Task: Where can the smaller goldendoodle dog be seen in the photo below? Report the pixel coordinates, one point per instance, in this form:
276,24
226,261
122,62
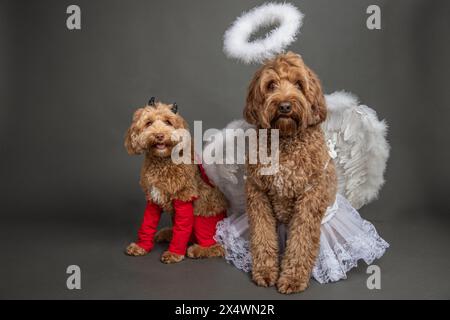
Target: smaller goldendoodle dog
285,94
178,188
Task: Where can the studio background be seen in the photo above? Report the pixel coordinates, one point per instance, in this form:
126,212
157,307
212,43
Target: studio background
70,193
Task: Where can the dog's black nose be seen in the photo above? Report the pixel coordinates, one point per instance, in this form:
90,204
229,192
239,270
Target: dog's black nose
285,107
159,136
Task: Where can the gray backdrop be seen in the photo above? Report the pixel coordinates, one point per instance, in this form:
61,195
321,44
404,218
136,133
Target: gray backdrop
70,193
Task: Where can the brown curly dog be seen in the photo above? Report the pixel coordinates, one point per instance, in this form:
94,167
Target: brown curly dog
181,189
286,95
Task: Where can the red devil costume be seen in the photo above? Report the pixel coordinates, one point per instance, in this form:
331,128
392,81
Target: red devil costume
187,227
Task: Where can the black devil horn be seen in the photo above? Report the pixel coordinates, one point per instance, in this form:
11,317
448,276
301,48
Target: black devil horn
151,102
174,107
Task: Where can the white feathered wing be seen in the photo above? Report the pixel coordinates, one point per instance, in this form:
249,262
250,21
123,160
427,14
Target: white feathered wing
229,178
360,142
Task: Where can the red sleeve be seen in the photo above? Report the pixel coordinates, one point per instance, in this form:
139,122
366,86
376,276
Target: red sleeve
205,229
149,226
183,222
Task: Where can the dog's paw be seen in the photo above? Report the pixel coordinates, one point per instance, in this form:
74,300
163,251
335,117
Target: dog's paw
265,276
196,251
170,257
289,284
134,250
164,235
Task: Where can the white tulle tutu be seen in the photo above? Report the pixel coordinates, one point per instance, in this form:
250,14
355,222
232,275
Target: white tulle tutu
345,239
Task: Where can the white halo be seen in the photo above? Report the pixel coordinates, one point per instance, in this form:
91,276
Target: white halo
236,38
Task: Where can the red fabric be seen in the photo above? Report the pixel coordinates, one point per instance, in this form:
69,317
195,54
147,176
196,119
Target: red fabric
205,229
149,226
183,222
186,227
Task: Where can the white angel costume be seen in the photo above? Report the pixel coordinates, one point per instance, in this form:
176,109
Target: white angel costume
356,139
357,144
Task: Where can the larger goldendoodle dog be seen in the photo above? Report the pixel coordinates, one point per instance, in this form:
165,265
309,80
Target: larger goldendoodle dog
285,94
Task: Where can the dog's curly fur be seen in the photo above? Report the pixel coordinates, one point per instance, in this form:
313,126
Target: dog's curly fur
154,132
305,185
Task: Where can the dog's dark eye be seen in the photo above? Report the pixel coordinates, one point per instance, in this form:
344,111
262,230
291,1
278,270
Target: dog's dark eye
168,123
299,85
148,123
271,86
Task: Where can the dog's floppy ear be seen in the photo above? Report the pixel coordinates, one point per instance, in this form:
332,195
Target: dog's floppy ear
174,108
318,112
253,100
151,102
131,143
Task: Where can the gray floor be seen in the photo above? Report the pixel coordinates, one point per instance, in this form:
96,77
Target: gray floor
36,255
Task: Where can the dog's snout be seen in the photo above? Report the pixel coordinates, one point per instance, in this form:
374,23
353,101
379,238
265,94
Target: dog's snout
285,107
159,136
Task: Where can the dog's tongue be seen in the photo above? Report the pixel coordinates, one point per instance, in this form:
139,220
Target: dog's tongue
160,146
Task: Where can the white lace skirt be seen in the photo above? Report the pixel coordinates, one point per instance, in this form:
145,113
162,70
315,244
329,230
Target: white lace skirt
345,239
